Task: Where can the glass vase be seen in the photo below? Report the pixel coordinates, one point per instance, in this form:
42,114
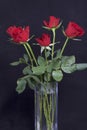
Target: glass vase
46,107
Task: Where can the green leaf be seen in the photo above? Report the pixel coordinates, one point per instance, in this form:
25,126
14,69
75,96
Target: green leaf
47,77
57,75
50,67
68,65
81,66
68,68
21,85
41,60
68,60
27,70
57,65
22,60
30,83
38,70
54,64
36,79
47,54
15,63
26,57
58,53
33,81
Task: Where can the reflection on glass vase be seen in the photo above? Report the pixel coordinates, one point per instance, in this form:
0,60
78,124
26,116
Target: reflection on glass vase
46,107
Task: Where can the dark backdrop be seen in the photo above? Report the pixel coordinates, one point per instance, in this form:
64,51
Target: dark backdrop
17,111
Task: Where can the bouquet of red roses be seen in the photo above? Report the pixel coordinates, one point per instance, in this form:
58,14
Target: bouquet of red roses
51,64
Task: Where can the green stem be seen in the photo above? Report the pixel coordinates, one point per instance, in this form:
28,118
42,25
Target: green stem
62,50
28,53
46,64
40,111
32,53
46,56
47,101
53,30
46,111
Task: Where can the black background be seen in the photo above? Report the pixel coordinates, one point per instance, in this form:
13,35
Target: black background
17,111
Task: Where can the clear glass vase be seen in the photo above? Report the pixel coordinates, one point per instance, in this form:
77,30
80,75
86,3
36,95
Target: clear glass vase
46,107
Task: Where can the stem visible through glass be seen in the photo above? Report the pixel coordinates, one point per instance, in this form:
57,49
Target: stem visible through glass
46,98
47,108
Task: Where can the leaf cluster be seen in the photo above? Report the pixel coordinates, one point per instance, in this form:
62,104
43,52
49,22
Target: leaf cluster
47,70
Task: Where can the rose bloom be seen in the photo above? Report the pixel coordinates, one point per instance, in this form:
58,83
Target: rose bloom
52,23
19,34
44,40
74,30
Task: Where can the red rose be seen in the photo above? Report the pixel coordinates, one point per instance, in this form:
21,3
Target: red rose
44,40
74,30
19,34
52,23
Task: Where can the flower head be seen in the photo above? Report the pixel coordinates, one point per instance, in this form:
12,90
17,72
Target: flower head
44,40
52,23
74,30
19,34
